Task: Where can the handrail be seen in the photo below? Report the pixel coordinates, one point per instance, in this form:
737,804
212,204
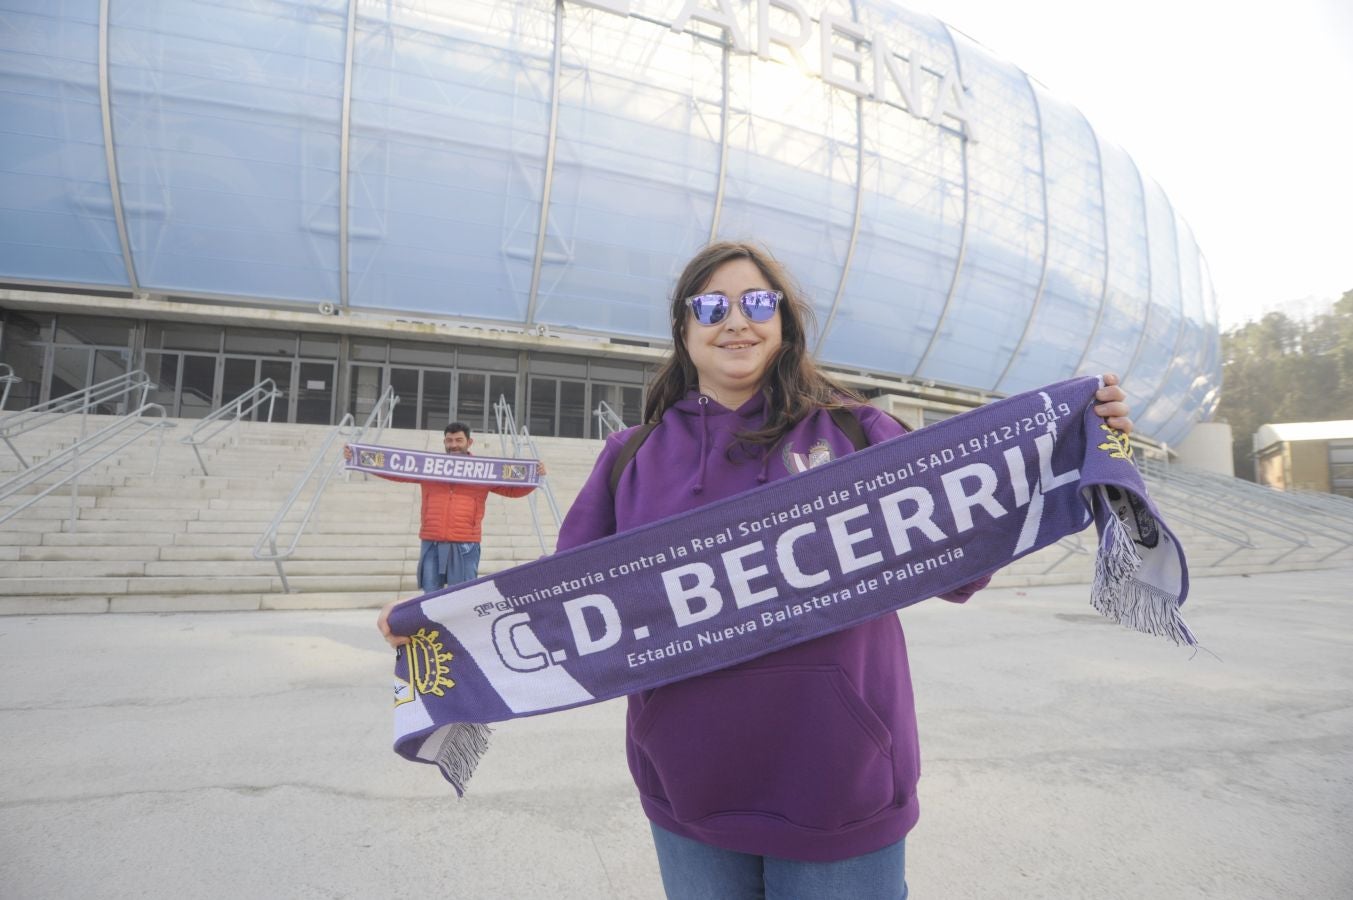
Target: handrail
608,422
522,441
549,494
1275,507
9,379
506,422
1319,501
234,411
379,417
35,417
1230,493
77,455
382,415
1198,515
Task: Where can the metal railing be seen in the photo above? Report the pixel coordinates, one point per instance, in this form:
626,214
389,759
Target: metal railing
230,415
1334,505
320,470
506,423
83,455
8,379
377,420
517,442
81,402
608,422
1289,517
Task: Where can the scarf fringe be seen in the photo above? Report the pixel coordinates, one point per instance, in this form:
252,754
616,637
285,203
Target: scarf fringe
1119,595
463,746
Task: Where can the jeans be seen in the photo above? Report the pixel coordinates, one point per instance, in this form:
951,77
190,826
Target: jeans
692,870
446,562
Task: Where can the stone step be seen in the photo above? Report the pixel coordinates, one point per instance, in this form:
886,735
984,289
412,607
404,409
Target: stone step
264,503
84,568
138,503
293,567
59,499
86,552
106,518
114,525
254,528
22,522
199,569
105,538
197,602
380,516
247,539
34,587
185,584
218,553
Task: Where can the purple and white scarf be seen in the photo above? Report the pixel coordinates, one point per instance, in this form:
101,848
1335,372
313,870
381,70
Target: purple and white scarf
459,467
858,537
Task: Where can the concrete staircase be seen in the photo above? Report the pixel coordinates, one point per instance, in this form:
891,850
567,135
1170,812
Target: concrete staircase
182,540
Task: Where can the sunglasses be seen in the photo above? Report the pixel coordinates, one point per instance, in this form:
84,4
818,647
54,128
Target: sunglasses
757,306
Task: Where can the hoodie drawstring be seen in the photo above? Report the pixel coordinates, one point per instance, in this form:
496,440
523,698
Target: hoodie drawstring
704,444
764,475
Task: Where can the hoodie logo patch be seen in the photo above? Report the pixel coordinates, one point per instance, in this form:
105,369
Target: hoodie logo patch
798,463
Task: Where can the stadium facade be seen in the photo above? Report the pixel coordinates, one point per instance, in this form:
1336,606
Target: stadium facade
471,199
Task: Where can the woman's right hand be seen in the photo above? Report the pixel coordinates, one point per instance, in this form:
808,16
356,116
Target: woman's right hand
383,625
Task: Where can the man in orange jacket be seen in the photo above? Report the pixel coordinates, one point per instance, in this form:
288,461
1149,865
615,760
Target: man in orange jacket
453,515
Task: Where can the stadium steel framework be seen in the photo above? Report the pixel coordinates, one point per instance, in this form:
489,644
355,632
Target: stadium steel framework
546,166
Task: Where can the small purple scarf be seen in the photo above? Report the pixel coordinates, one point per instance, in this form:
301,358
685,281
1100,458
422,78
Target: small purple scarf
858,537
458,467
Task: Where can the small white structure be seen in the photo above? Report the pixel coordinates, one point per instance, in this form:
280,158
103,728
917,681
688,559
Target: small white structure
1312,456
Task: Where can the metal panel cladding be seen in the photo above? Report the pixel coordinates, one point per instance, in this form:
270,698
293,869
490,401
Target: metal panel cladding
555,162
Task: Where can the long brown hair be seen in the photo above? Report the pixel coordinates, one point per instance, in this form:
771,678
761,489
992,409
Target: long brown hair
794,385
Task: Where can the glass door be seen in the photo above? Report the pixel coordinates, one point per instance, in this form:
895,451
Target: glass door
625,400
406,388
572,409
476,392
434,404
315,393
281,372
542,405
197,388
239,374
365,384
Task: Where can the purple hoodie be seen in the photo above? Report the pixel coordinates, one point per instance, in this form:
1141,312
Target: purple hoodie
807,753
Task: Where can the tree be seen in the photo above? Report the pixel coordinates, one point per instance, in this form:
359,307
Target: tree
1281,370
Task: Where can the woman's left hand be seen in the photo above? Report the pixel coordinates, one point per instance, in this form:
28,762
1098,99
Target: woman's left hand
1113,404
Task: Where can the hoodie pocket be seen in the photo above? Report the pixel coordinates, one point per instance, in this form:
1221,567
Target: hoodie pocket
793,742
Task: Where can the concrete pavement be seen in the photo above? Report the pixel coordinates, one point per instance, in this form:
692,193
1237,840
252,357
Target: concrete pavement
246,755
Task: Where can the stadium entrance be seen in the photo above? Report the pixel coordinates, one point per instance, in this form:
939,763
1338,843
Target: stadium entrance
199,367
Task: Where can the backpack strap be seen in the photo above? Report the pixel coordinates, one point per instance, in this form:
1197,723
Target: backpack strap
627,452
850,426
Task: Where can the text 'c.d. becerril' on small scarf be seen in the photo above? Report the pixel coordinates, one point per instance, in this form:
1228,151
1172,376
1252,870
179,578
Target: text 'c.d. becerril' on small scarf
856,538
415,465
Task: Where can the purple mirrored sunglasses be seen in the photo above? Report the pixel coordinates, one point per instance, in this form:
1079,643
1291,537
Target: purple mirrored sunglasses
757,306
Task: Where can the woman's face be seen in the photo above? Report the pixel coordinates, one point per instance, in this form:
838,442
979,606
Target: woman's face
731,357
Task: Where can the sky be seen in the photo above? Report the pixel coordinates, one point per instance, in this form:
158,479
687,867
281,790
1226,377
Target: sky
1242,111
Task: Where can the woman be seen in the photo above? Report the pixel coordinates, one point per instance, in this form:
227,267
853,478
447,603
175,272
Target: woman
794,774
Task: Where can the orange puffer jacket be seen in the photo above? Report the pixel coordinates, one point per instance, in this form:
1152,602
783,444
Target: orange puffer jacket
455,512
